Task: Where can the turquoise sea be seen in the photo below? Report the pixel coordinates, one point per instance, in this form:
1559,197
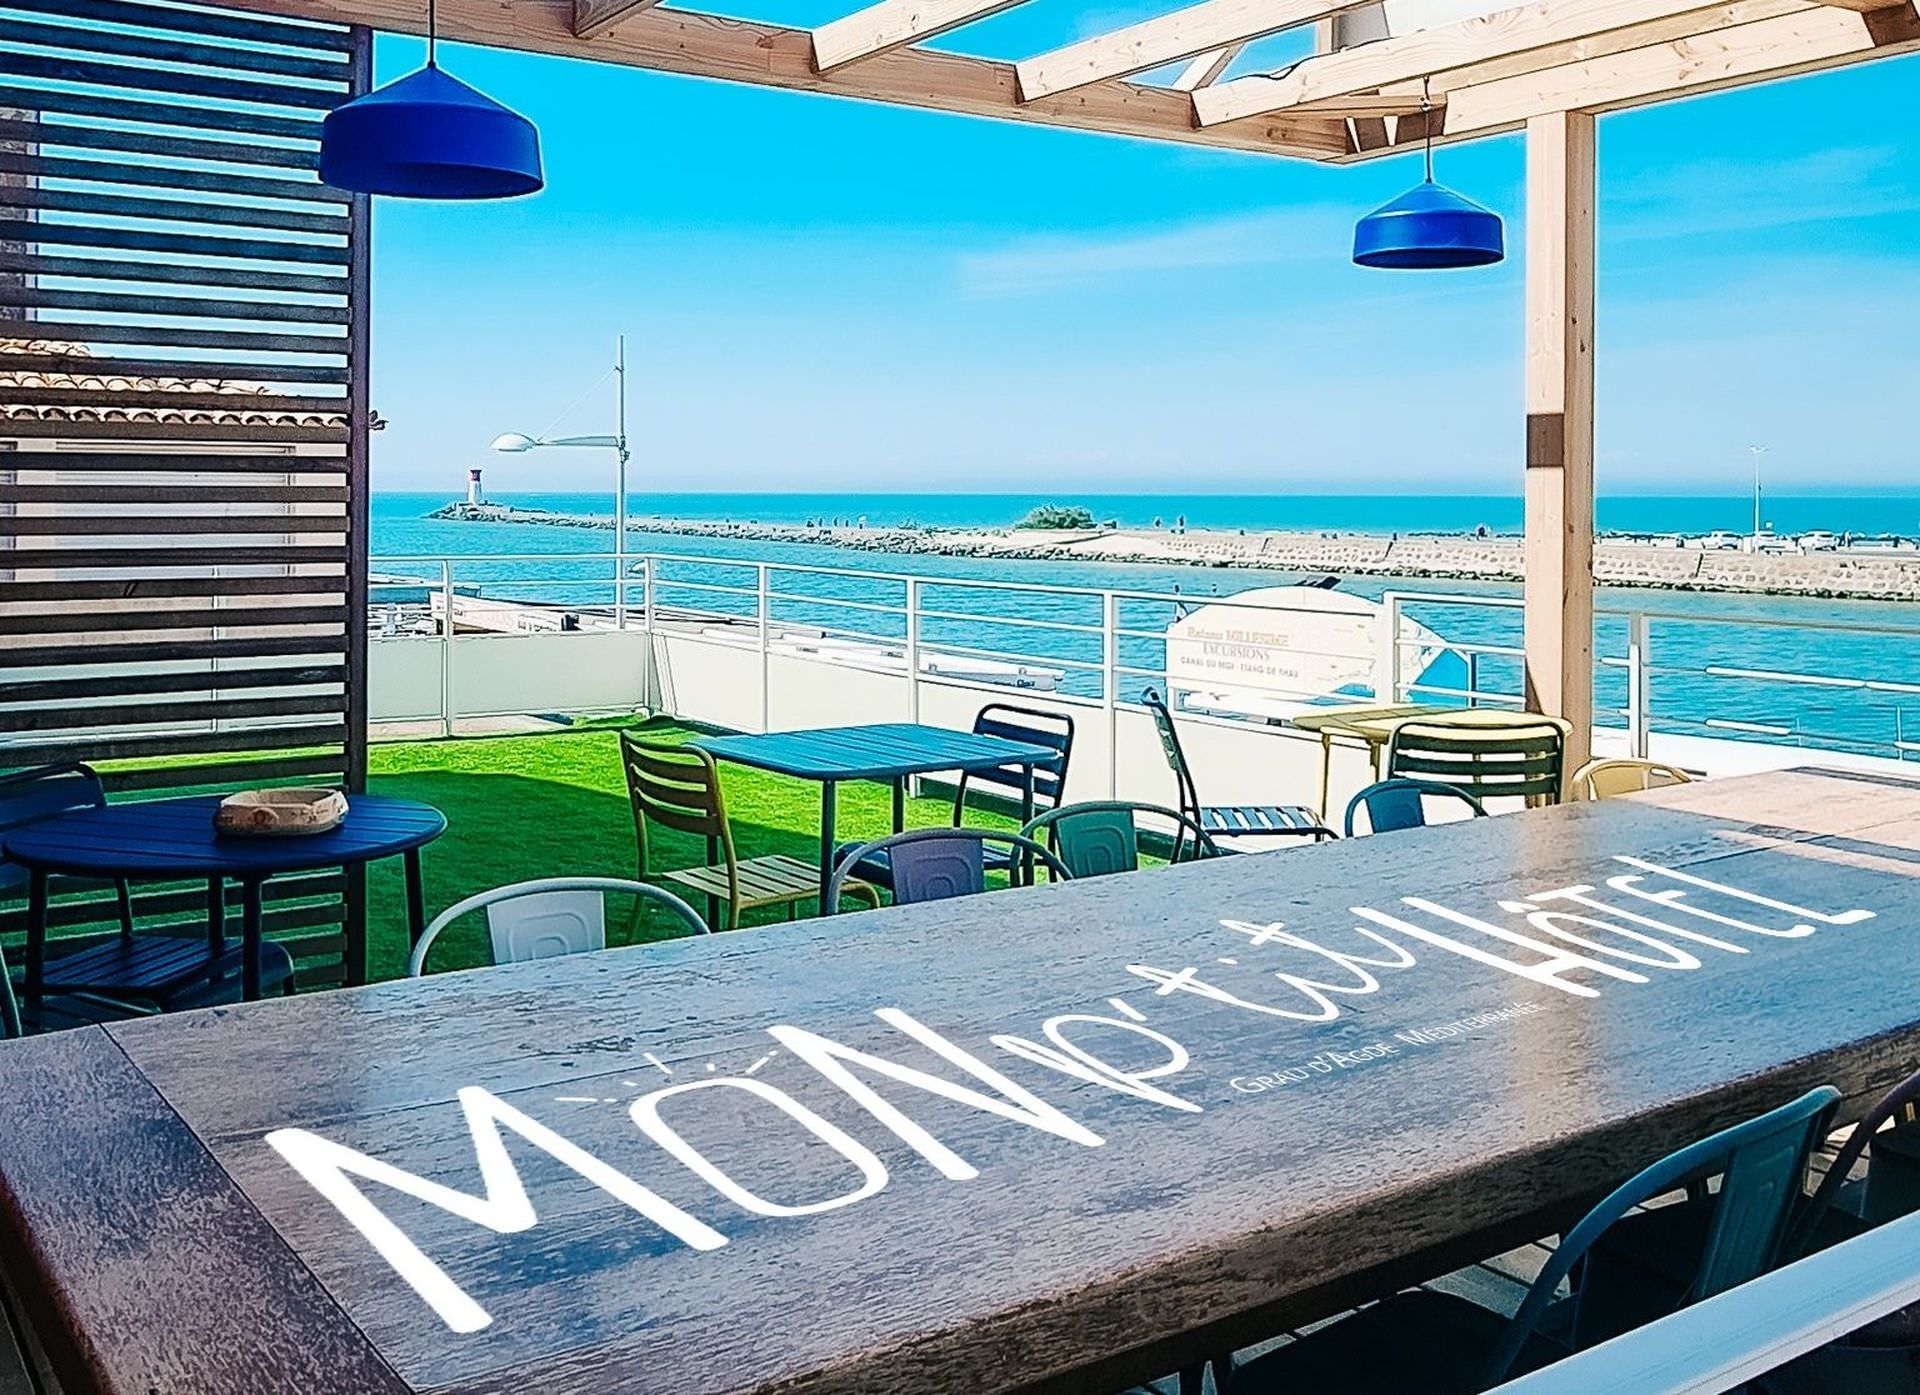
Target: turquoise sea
1706,649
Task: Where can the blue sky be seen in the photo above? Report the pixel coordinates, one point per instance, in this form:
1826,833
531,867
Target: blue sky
822,295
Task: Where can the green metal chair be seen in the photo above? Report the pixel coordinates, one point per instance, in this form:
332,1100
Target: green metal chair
1487,762
678,787
1441,1344
1102,837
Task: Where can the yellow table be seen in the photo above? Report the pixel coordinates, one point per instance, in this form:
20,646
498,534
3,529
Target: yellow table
1373,726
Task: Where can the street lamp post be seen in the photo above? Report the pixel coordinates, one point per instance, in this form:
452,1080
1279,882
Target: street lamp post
514,442
1759,454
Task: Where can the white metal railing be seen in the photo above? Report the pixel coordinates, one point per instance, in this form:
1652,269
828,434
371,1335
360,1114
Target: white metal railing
1660,673
756,605
1719,1344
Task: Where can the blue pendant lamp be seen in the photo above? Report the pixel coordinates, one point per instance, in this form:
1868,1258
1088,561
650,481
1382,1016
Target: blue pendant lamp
430,136
1429,227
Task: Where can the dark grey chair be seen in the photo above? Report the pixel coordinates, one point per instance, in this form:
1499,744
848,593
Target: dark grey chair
1032,726
1442,1344
933,864
1228,820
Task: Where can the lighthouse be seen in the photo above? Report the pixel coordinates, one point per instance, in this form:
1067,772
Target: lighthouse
473,486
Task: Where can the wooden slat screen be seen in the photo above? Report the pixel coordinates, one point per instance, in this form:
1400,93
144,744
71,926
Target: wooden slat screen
183,425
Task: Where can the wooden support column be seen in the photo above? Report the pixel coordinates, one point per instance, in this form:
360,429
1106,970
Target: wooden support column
1559,492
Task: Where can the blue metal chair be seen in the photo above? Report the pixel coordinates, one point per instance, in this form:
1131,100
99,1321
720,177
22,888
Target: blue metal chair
1440,1344
57,1012
112,978
1032,726
45,792
549,917
932,864
1392,805
1102,837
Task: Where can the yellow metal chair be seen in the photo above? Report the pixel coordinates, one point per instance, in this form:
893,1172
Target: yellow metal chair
1606,779
678,787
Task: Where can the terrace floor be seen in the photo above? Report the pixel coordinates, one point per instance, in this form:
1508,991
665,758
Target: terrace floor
555,805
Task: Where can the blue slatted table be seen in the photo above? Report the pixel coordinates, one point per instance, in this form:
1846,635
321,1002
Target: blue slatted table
890,751
175,838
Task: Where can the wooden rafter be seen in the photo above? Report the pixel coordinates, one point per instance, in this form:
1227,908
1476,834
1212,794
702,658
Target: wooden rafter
1760,50
892,24
733,50
1169,38
1206,69
592,18
1546,31
1766,50
1496,87
1405,96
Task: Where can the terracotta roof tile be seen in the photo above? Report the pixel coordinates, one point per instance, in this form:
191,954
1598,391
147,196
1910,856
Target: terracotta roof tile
92,375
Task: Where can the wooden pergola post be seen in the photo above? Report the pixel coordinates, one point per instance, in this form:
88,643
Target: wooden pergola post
1559,490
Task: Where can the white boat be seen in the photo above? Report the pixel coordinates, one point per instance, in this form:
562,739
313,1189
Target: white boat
1278,650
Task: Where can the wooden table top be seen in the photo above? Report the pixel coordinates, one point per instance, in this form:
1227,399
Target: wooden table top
976,1145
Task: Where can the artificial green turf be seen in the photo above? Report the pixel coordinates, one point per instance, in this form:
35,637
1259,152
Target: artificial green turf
555,805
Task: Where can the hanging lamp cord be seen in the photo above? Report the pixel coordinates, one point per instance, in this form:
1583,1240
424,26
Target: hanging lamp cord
1427,121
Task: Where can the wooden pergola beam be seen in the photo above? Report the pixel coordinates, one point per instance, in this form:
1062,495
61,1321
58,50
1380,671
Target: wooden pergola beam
1546,31
892,24
1724,47
768,55
1169,38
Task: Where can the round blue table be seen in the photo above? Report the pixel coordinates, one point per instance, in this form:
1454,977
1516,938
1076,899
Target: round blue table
175,838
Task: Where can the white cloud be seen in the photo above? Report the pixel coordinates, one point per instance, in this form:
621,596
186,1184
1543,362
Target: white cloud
1718,196
1037,266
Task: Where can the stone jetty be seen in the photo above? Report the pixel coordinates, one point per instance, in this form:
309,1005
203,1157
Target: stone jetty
1848,573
